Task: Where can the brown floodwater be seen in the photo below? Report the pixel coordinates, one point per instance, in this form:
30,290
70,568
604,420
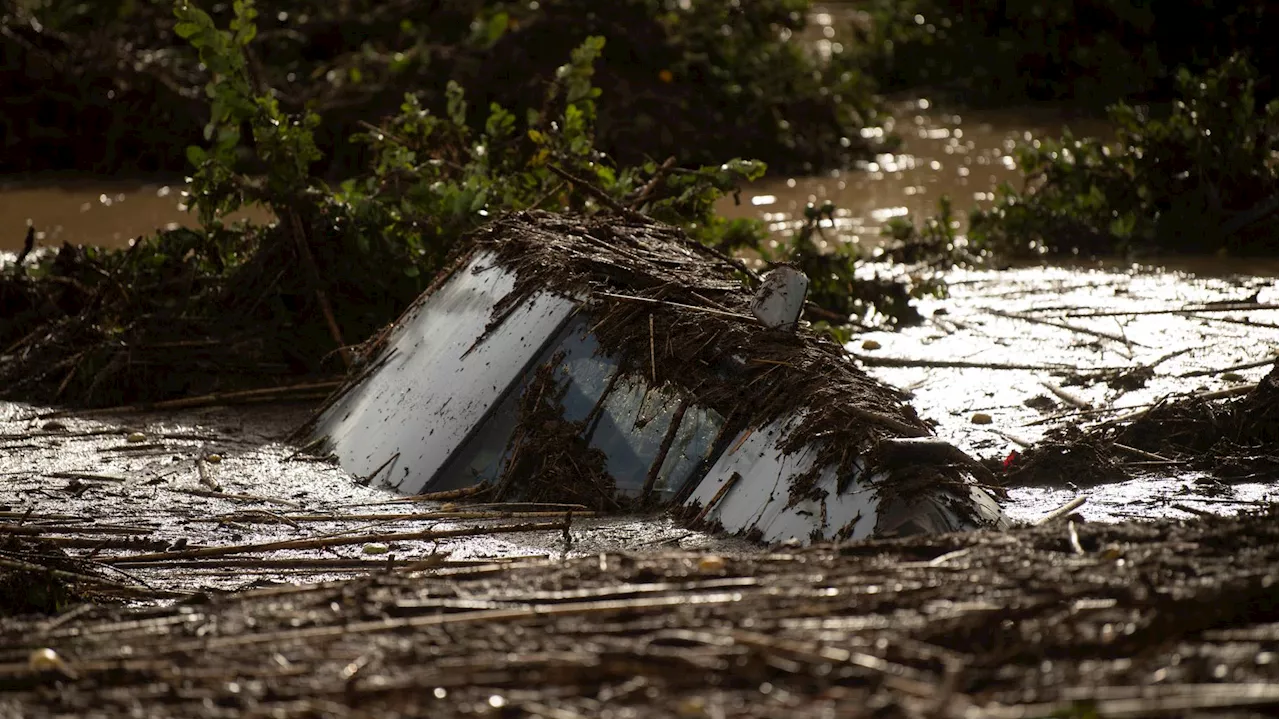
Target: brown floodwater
963,156
103,212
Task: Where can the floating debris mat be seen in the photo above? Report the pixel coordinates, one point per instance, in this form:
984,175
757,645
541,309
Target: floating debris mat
620,365
1142,620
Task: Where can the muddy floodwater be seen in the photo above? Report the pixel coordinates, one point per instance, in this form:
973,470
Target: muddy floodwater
1029,349
961,156
1023,348
1020,341
94,211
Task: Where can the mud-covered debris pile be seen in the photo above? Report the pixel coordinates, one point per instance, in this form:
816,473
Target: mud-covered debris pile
676,312
1151,619
1234,439
1066,454
177,315
653,351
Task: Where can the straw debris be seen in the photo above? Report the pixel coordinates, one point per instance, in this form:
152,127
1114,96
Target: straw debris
1034,622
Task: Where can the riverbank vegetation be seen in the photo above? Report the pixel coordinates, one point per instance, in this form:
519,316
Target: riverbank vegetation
109,86
1198,178
198,311
379,135
1189,87
1085,53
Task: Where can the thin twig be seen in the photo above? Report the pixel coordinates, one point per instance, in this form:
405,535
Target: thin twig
1140,452
1062,511
653,183
206,400
1203,396
1226,307
1073,538
653,357
1066,396
668,303
382,538
1064,325
879,361
1233,368
205,477
600,195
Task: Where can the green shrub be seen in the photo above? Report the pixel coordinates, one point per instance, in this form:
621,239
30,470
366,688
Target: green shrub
1201,178
702,80
224,307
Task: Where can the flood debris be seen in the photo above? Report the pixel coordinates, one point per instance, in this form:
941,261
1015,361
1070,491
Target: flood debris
617,363
1232,438
1152,619
1066,455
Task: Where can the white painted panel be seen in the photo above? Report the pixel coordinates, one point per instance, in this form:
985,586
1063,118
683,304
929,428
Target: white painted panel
425,400
856,507
759,499
752,456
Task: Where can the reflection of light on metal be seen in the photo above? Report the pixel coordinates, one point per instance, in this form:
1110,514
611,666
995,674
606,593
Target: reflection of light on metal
759,200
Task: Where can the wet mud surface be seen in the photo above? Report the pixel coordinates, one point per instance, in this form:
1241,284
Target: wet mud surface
167,505
1011,355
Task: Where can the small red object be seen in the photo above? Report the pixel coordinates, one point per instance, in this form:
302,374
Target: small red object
1008,461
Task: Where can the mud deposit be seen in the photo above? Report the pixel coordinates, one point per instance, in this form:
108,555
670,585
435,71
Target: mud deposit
202,567
1156,619
164,506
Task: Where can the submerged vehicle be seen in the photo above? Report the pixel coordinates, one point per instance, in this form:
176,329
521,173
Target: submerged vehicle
617,364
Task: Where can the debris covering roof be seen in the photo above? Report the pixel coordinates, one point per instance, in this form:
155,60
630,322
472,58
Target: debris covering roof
679,314
918,626
627,271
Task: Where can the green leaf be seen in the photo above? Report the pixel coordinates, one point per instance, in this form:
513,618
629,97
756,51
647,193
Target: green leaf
188,30
456,104
497,27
